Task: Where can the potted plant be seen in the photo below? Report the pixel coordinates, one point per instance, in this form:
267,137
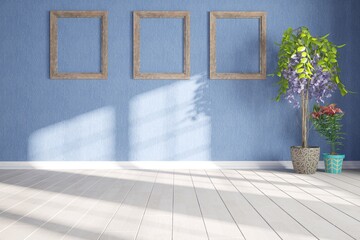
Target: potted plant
327,122
308,69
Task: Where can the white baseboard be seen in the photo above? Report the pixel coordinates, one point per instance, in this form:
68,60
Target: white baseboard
160,165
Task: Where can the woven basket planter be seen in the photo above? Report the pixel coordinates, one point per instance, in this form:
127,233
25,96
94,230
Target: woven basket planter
305,160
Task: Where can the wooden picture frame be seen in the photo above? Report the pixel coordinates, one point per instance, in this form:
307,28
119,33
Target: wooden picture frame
137,15
54,15
262,20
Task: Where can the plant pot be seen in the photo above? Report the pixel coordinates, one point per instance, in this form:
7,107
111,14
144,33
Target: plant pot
305,160
333,163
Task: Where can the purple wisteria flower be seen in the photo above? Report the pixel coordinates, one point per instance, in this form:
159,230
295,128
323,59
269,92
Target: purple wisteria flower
319,87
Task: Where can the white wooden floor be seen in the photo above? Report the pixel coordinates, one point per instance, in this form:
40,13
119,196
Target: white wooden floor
179,205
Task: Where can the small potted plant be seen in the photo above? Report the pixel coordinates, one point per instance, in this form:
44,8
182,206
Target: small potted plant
308,69
327,122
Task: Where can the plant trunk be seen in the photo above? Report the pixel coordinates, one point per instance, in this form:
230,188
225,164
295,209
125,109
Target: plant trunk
333,141
304,118
333,149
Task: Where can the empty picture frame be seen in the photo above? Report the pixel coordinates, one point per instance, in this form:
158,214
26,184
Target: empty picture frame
262,40
54,16
137,16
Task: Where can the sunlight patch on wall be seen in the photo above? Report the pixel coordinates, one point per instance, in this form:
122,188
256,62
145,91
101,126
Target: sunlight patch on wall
89,136
171,122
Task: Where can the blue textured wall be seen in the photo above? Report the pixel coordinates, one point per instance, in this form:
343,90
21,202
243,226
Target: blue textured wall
126,119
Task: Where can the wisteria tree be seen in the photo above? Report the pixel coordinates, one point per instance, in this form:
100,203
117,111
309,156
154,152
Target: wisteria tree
308,69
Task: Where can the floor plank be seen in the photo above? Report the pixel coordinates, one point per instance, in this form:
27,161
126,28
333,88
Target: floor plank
98,217
246,216
285,226
7,175
342,178
85,215
348,177
126,222
36,210
53,228
181,204
9,183
353,174
302,207
321,195
187,217
218,220
339,183
28,196
341,221
328,187
18,185
157,220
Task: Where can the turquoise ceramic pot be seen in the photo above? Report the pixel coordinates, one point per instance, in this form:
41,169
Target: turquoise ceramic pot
333,163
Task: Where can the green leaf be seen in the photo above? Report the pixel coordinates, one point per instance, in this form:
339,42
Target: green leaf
303,54
302,75
332,55
341,46
300,70
299,66
325,36
304,60
309,65
343,92
301,49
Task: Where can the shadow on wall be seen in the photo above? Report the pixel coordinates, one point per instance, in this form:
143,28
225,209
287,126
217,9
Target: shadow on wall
171,122
90,136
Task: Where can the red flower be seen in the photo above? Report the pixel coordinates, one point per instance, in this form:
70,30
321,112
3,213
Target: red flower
316,115
330,110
